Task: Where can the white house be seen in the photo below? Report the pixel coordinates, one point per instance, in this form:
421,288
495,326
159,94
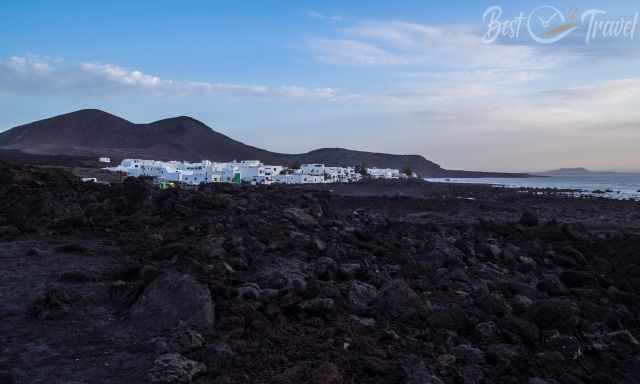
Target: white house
231,174
168,171
312,169
104,159
298,178
352,175
270,171
247,171
251,171
383,173
341,174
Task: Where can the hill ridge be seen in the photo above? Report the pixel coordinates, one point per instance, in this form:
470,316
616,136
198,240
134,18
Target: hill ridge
93,132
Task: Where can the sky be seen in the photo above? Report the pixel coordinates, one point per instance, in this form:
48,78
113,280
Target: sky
411,77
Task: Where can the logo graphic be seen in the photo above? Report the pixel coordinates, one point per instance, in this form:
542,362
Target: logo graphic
548,25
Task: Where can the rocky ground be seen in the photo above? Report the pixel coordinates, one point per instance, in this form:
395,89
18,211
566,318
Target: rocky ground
377,283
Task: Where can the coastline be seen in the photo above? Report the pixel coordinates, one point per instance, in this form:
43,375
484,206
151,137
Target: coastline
591,186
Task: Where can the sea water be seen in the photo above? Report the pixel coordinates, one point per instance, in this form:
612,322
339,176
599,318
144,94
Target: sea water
609,185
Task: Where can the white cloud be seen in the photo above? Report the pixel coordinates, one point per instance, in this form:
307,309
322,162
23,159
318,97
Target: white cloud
434,64
607,103
313,14
610,92
351,52
27,64
396,43
36,75
475,87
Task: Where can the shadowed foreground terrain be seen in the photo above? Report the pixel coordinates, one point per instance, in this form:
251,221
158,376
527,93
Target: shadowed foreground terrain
225,284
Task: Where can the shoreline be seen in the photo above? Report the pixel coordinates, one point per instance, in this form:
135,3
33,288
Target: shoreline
599,191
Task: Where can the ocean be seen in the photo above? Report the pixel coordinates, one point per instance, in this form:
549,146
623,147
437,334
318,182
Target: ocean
609,185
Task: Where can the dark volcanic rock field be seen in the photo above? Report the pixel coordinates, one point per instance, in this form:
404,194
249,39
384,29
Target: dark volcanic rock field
224,284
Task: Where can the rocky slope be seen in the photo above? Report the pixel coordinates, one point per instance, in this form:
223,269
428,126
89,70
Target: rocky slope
96,133
224,284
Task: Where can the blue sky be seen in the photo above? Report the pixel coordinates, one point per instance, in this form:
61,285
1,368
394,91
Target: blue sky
414,77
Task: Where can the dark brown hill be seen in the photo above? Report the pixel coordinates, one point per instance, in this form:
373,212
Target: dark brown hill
92,132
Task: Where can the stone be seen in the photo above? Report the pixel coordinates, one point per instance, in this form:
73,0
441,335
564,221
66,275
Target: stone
502,354
348,271
182,341
361,295
442,254
364,321
446,360
212,248
320,245
487,330
568,346
471,374
552,285
54,304
493,251
529,219
493,304
521,303
318,305
576,255
188,340
417,372
519,288
459,275
521,327
217,355
9,231
602,265
527,264
622,297
399,300
563,261
537,380
174,368
249,291
551,313
172,300
533,248
624,336
452,318
300,217
284,273
576,279
326,373
326,269
468,354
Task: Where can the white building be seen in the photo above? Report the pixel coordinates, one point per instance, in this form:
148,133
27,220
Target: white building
104,159
270,171
247,171
252,172
169,171
312,169
298,178
341,174
383,173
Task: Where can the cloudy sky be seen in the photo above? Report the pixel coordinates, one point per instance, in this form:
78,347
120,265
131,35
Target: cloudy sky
419,77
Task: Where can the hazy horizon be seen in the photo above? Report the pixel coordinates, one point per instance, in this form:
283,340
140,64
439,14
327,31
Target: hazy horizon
292,77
